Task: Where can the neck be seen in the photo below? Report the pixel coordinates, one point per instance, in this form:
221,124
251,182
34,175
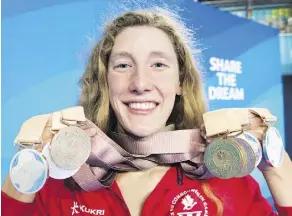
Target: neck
121,130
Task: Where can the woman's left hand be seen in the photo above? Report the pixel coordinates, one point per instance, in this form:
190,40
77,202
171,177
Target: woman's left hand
258,129
279,179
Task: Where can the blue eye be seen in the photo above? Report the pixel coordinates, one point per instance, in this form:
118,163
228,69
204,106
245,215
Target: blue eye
159,65
122,66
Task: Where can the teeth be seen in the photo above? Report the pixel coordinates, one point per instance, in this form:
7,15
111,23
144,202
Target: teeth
144,106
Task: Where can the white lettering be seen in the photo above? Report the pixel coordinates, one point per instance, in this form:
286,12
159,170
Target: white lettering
225,93
174,201
226,79
83,208
100,212
231,80
220,78
225,65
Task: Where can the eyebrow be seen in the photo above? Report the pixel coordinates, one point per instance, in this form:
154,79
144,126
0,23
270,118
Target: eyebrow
161,54
152,54
122,54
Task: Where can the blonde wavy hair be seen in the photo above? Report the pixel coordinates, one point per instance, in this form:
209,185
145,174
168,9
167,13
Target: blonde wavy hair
188,108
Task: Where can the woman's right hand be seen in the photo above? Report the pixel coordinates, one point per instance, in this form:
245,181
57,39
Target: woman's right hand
11,191
8,187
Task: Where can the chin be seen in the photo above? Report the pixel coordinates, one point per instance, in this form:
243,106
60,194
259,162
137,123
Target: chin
143,132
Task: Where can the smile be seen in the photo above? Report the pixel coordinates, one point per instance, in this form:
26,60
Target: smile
141,107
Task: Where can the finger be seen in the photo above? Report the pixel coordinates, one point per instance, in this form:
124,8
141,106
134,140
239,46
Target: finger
255,121
203,131
47,136
91,131
90,128
87,125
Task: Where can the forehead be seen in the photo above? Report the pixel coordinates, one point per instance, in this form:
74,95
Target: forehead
143,40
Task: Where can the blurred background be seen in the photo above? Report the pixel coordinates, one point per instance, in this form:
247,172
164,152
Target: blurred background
45,47
276,14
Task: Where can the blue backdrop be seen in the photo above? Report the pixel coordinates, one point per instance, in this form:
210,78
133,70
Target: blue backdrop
45,45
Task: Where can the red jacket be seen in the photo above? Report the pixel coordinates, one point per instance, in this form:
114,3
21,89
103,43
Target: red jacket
172,196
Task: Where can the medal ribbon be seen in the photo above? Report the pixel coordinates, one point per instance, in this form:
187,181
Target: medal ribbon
118,152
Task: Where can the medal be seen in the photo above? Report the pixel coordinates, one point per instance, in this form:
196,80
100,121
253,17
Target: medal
70,148
249,159
49,145
28,171
60,159
255,144
232,124
273,147
223,158
55,171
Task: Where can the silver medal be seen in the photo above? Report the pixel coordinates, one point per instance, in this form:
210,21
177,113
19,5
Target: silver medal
61,159
55,171
273,147
28,171
70,148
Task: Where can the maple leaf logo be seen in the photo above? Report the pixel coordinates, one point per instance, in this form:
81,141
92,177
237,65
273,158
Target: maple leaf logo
188,202
74,208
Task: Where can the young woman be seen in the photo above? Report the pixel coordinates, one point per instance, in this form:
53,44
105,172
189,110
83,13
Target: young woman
142,79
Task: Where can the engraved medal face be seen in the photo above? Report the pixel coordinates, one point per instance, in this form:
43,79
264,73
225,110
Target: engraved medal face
250,158
55,171
255,144
70,148
28,171
273,147
223,158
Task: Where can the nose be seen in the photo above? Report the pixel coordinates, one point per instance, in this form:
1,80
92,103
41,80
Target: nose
140,82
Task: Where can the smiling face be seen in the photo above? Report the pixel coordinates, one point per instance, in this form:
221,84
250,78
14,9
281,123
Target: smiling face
143,79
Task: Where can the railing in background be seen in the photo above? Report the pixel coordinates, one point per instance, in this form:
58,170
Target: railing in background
277,14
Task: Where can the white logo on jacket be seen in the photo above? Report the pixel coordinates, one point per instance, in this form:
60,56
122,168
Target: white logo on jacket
194,204
188,202
76,209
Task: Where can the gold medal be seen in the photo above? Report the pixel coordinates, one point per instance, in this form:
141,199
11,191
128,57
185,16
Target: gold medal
249,159
255,144
223,158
